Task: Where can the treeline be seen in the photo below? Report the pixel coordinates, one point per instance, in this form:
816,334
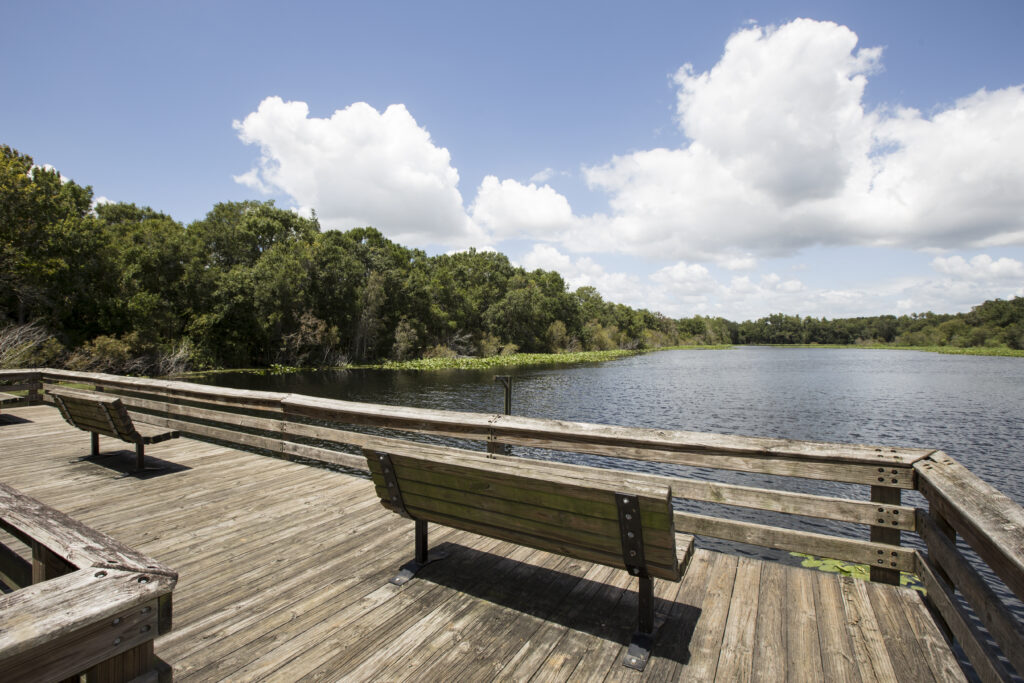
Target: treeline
122,288
996,323
116,287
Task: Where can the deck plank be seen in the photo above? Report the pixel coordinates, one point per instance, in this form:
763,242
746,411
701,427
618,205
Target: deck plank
283,576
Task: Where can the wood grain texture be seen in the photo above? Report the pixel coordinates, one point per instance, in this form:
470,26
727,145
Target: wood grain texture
989,521
283,574
559,511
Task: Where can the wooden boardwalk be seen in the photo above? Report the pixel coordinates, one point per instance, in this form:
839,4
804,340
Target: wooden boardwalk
283,576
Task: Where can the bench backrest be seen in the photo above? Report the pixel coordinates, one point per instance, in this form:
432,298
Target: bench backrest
94,412
570,510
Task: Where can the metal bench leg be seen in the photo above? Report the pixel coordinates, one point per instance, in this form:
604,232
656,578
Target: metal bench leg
140,457
95,443
643,640
422,558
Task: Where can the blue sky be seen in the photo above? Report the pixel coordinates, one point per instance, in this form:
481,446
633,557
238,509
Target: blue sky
825,159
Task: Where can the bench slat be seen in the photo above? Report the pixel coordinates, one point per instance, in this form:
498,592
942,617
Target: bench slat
535,513
154,433
523,505
574,500
570,532
541,543
479,474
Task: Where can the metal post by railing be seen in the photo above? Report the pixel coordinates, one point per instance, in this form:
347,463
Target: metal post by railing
492,445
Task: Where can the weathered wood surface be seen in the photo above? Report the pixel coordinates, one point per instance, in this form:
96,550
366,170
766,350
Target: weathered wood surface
79,620
837,462
283,574
988,520
567,514
943,555
89,603
974,643
825,507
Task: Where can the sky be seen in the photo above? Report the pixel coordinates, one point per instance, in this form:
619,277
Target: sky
730,159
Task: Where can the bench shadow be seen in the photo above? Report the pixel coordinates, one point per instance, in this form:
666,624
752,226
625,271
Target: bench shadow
123,462
610,615
7,418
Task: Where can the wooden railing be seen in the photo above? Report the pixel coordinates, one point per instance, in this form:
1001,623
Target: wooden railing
299,426
85,604
27,383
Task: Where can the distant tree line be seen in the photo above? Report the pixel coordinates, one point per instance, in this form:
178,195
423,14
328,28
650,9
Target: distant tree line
996,323
120,288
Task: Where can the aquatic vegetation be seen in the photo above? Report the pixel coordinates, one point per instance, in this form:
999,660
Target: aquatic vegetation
856,571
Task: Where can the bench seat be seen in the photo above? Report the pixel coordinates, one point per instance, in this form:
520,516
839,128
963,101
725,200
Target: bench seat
99,413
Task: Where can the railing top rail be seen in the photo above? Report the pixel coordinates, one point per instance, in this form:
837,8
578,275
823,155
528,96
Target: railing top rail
988,519
78,544
556,433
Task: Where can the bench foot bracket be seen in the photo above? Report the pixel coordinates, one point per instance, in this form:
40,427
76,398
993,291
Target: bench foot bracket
410,569
422,559
639,651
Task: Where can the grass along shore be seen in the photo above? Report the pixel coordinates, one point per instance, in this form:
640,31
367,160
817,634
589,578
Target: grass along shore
540,359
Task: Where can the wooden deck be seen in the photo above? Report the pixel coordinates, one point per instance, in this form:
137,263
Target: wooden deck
283,574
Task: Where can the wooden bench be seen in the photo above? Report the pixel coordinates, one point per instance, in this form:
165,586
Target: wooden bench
8,398
101,414
576,511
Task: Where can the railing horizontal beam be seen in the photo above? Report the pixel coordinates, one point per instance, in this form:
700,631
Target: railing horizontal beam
990,522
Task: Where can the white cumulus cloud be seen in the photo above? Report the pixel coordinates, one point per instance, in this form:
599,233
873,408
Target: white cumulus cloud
509,209
783,155
359,167
981,267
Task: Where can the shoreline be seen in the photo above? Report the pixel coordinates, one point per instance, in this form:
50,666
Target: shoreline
579,357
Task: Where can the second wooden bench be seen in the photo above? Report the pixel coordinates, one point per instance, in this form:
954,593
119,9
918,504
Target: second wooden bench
581,512
98,413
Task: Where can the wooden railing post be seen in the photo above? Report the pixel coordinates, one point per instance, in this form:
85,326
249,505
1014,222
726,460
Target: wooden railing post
33,392
48,565
881,570
949,532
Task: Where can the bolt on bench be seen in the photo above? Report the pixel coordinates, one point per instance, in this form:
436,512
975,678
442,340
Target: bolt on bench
97,413
581,512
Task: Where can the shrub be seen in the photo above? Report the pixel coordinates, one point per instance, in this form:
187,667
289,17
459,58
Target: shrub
28,345
406,341
488,346
440,351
